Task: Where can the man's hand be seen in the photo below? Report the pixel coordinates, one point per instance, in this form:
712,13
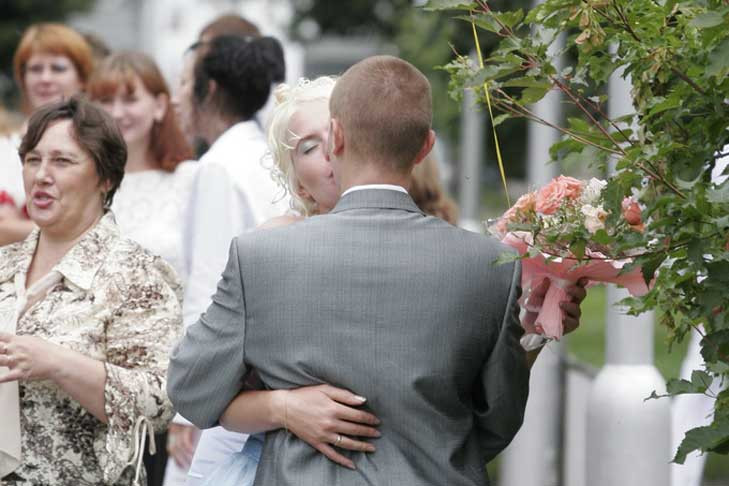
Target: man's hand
571,309
181,443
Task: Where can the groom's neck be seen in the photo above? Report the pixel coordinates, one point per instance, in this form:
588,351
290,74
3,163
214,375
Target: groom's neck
362,176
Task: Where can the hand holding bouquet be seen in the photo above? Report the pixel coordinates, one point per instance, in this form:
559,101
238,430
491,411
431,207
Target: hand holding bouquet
564,233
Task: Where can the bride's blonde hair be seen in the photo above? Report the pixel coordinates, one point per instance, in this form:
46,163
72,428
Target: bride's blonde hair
288,100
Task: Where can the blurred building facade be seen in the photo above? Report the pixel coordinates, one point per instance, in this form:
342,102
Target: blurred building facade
164,29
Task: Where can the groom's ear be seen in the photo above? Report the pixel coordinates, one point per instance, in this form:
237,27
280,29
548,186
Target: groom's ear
426,148
336,138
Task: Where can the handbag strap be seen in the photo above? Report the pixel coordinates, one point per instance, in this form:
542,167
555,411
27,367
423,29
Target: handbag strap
142,429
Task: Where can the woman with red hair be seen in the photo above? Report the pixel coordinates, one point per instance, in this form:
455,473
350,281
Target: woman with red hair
152,200
52,62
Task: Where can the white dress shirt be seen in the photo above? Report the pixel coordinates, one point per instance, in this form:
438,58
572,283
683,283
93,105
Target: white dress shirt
389,187
233,192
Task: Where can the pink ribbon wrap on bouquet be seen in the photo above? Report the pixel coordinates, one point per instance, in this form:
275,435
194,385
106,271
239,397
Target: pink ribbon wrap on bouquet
563,272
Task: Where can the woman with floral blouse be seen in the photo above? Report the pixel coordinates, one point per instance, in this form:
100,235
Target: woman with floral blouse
87,318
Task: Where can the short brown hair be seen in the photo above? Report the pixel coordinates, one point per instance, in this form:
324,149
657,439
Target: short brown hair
383,104
167,143
93,129
53,39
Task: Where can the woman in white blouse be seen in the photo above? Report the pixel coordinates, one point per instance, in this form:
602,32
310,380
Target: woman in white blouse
87,318
152,202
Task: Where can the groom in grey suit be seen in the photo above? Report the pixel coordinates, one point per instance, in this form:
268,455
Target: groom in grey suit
375,297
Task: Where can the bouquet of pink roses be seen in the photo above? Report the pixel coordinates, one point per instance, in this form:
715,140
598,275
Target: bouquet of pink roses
564,233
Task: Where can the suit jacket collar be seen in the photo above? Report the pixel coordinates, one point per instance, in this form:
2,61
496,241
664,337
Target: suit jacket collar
376,199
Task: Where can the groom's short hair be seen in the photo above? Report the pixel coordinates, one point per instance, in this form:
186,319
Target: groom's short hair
384,106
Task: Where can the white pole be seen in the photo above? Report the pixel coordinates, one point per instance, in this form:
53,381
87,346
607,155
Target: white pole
472,142
534,457
628,439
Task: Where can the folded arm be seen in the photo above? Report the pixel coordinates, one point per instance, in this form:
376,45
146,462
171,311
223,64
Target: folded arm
207,368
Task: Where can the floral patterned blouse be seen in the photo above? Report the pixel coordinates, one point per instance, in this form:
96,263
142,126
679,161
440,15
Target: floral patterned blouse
116,303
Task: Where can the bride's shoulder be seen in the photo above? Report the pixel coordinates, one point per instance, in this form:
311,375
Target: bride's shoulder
280,221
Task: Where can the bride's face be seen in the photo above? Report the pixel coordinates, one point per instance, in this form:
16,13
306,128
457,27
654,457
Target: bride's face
310,126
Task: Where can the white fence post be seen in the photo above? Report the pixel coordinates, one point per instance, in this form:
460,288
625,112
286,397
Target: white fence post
473,136
534,457
628,438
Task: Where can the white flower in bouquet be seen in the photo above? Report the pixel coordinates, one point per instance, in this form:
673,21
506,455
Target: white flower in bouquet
595,217
592,191
551,221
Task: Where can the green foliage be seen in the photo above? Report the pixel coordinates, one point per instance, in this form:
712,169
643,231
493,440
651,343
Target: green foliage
425,38
713,438
449,5
677,56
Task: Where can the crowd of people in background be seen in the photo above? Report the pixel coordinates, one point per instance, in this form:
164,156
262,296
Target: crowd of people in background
170,175
119,198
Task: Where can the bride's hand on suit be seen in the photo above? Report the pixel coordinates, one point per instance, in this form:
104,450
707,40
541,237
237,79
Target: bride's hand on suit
326,418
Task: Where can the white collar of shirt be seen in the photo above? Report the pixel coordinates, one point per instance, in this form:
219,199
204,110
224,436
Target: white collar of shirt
231,143
389,187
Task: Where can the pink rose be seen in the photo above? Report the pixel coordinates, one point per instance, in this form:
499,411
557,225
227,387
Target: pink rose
526,203
550,197
500,227
632,212
523,205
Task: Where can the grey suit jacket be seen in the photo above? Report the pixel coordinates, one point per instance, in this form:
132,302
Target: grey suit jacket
377,298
